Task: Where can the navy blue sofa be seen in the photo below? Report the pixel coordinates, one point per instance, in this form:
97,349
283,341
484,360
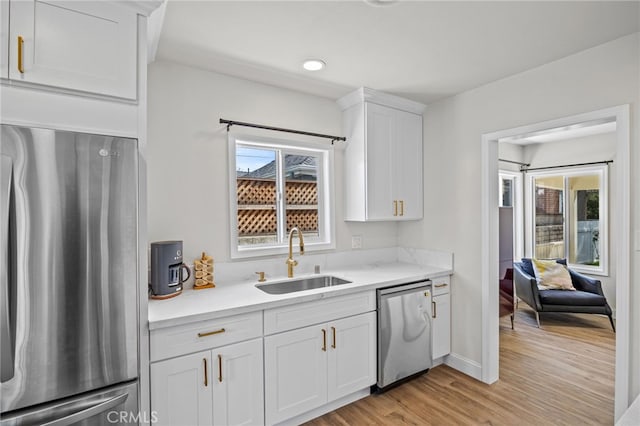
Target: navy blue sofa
587,299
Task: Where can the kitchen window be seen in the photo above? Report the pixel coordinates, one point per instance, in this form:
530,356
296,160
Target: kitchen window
568,218
277,185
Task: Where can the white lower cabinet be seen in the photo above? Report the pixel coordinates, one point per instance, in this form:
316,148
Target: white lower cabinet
180,391
314,365
238,397
295,367
223,386
352,355
441,315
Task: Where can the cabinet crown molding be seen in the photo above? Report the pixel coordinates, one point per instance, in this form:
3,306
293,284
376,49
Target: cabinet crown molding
365,94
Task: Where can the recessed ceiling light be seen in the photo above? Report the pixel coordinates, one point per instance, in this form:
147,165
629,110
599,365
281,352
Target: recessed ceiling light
313,64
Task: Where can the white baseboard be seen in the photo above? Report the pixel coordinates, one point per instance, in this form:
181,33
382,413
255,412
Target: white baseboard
464,365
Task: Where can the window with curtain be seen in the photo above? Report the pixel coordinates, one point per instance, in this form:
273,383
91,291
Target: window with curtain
277,185
569,216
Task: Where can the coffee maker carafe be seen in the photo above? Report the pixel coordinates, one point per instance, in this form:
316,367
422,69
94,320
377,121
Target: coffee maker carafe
166,269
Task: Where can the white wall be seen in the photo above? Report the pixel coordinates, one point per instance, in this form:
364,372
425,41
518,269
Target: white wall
586,149
571,151
597,78
511,152
187,154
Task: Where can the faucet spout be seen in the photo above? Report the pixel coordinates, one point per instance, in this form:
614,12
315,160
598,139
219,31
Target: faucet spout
290,262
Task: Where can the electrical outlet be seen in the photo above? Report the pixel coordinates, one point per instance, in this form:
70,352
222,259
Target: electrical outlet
356,241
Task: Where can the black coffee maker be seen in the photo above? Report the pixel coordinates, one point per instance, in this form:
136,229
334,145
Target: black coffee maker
166,269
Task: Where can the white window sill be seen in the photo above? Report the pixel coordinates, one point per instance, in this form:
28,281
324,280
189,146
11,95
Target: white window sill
250,252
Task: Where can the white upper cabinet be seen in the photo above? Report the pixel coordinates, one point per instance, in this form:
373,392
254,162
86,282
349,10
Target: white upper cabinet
89,46
383,157
4,39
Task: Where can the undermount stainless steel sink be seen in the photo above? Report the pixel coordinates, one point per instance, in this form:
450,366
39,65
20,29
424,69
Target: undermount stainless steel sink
301,284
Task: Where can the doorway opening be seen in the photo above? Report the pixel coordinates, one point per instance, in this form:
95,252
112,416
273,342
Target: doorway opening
620,228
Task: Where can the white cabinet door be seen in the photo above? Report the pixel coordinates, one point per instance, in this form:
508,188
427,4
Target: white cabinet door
441,337
181,390
352,355
380,138
82,45
394,164
238,397
295,372
4,39
407,166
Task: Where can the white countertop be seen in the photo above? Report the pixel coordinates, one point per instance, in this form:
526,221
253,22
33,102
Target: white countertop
231,298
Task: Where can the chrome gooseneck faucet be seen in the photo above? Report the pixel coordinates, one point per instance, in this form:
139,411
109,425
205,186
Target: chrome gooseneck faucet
290,262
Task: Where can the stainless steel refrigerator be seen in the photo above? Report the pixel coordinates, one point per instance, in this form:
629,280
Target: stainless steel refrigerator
68,278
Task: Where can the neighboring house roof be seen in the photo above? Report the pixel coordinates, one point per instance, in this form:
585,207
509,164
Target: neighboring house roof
301,167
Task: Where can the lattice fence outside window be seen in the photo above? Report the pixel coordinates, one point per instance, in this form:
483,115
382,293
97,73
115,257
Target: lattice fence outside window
257,206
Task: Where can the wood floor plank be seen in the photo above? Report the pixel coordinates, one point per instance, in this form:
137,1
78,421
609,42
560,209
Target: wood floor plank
561,374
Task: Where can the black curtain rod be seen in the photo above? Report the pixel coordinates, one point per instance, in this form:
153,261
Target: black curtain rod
515,162
230,123
524,169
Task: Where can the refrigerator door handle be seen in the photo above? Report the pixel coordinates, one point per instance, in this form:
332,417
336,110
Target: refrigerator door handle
89,412
7,340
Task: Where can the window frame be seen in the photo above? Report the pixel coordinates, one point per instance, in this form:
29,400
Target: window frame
602,171
325,188
517,205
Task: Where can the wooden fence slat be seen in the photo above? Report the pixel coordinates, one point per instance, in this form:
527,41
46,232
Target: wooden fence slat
256,206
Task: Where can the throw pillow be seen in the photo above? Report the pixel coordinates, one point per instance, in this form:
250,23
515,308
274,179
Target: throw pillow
551,275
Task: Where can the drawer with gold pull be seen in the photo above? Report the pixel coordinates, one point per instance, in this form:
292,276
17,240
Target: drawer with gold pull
441,285
188,338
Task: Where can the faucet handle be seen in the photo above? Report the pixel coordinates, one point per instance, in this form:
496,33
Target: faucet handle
261,277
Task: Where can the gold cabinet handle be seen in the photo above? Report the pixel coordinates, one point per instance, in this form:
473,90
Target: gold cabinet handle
211,333
433,306
20,54
395,207
401,207
333,345
324,340
220,368
206,375
441,285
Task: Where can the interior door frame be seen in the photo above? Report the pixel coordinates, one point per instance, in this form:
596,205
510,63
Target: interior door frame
621,216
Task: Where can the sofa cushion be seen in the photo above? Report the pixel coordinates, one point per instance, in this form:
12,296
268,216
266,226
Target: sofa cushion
571,298
552,275
527,266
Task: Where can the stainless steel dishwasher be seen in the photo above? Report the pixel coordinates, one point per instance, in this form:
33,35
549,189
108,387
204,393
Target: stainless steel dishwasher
404,332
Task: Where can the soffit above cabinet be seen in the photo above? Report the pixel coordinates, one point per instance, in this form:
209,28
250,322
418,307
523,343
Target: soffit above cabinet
365,94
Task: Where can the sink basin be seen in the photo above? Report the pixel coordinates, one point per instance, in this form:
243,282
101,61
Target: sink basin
301,284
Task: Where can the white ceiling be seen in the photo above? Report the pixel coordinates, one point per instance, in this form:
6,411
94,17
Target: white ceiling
422,50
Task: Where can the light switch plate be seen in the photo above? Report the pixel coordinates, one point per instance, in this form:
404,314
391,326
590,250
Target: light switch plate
356,241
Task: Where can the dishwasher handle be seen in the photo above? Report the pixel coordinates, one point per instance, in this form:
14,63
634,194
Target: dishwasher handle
404,288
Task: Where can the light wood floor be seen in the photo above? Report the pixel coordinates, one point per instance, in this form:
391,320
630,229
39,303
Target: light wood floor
562,374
